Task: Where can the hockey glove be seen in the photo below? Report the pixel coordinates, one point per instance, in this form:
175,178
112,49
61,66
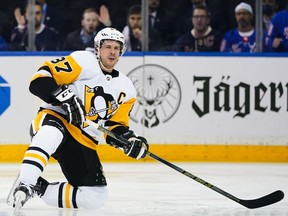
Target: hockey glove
71,104
137,148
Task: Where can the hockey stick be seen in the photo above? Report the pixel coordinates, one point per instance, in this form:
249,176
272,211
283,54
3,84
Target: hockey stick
251,204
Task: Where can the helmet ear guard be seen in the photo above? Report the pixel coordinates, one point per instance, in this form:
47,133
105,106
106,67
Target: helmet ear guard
109,34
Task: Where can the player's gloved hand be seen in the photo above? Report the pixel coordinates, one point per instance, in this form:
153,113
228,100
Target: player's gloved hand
71,104
137,148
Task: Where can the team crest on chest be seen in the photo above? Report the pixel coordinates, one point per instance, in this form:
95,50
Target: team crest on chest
98,104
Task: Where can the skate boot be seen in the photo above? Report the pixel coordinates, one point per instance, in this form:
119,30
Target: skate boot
22,194
39,189
41,186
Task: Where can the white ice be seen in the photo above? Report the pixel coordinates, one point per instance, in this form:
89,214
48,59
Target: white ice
148,189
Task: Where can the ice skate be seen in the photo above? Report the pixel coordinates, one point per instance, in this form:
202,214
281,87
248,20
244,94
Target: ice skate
22,194
10,197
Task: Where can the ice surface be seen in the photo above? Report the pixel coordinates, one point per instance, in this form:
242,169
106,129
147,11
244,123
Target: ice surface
156,189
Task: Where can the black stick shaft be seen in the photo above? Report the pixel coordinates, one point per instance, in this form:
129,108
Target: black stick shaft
190,175
255,203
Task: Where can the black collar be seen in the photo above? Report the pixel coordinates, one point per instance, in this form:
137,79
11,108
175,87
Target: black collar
114,73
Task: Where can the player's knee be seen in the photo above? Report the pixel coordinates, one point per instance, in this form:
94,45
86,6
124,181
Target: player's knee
92,197
48,138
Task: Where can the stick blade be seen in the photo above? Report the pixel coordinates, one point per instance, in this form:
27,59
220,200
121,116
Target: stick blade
263,201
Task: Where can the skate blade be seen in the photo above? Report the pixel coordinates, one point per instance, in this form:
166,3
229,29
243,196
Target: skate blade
20,196
10,197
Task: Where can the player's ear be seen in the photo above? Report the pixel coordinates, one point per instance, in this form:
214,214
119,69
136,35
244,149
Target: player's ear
96,51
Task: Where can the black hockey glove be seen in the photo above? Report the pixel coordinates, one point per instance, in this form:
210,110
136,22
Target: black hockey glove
137,148
71,104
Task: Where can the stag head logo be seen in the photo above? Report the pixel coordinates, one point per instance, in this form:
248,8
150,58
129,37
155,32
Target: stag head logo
158,95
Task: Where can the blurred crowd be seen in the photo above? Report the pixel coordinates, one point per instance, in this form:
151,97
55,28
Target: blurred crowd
182,25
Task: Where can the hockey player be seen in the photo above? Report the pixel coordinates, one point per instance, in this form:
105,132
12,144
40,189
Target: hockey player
73,88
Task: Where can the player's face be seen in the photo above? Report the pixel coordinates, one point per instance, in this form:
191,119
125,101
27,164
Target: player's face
90,22
109,53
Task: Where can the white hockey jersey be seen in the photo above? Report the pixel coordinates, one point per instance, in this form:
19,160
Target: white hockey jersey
105,96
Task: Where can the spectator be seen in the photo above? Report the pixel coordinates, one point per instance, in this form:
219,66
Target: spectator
242,38
277,39
202,38
7,20
3,44
160,20
117,7
133,33
218,15
56,16
46,39
5,29
269,9
91,23
231,4
64,15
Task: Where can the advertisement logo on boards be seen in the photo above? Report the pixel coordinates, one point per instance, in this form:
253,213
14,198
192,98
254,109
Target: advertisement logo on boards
5,97
158,95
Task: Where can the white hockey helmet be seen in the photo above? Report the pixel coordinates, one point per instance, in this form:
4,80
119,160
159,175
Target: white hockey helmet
109,34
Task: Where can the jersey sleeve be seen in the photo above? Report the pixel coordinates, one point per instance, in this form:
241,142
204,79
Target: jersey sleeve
64,70
51,74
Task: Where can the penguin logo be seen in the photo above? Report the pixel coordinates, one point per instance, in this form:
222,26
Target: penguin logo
100,104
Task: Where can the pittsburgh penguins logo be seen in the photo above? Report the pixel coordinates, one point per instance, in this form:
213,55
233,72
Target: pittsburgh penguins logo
99,105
